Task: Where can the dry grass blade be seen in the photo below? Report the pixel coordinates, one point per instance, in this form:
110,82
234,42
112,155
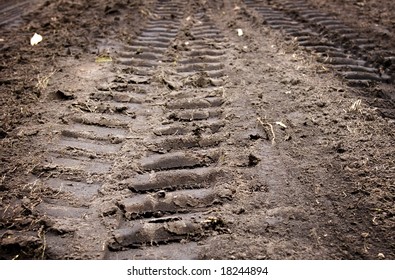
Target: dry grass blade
267,124
356,106
42,82
41,235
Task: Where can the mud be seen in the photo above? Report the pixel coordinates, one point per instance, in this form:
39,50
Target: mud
152,130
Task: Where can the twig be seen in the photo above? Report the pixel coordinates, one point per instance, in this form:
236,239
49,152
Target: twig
271,129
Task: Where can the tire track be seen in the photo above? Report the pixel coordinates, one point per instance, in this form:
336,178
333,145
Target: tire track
172,198
349,53
89,145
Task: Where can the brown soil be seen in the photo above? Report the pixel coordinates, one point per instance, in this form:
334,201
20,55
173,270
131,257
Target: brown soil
252,146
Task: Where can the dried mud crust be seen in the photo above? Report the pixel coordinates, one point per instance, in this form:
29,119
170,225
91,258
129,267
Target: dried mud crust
151,130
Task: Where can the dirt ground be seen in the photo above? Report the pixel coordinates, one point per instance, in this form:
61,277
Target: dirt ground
281,157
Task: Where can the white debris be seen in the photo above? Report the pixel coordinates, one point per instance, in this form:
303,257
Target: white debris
281,124
37,38
381,255
240,32
356,106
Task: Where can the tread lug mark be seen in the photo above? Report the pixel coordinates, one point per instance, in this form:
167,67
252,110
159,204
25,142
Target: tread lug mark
174,179
81,163
176,160
175,143
156,232
174,202
82,190
211,126
194,115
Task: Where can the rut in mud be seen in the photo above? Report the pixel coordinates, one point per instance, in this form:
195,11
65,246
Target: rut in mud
161,132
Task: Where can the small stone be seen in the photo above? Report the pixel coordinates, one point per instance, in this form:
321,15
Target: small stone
381,256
